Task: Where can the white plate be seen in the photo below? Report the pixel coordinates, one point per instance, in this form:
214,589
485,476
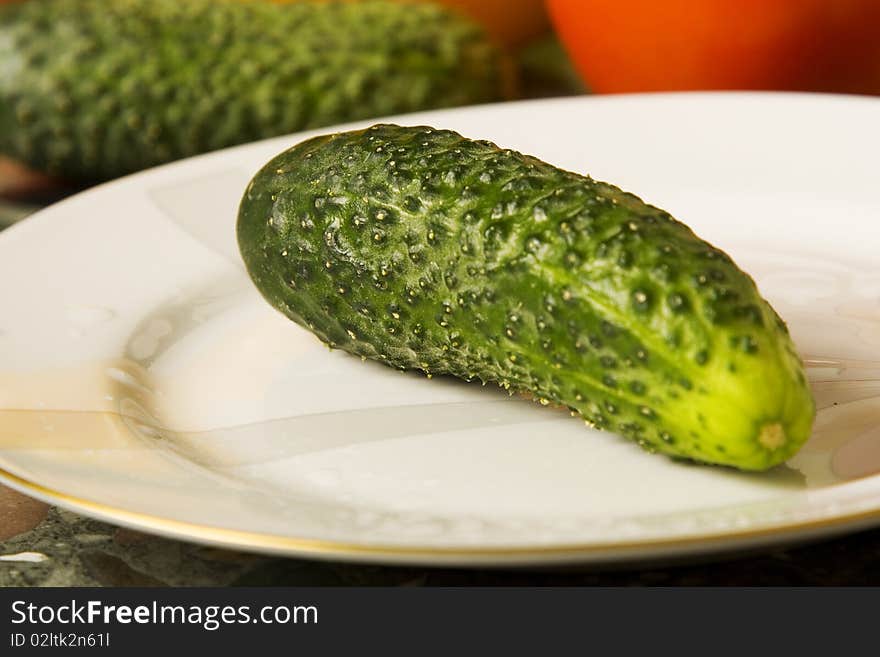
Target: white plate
144,381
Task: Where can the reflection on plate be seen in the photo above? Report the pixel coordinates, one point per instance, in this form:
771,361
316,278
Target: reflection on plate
144,381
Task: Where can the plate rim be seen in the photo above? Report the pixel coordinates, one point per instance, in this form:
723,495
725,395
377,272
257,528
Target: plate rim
587,552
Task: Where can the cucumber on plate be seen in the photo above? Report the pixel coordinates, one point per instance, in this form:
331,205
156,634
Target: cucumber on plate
425,250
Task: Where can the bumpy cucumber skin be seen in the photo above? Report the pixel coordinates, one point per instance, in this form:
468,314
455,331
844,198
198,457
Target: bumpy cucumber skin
94,89
422,249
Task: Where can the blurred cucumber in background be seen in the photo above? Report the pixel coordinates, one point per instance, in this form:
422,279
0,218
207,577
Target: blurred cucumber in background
92,90
511,23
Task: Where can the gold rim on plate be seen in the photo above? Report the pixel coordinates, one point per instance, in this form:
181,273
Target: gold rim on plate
326,549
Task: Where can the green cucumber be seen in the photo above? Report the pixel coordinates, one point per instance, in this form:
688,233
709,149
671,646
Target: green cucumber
94,89
425,250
